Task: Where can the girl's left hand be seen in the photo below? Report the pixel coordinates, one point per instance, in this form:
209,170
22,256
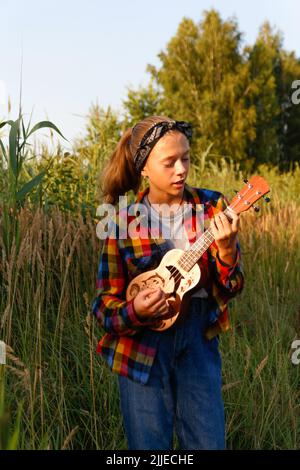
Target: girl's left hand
225,234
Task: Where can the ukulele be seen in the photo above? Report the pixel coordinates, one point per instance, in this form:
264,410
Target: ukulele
178,271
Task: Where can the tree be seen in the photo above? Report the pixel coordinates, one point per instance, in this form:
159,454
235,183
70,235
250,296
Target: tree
272,71
290,112
205,80
146,101
265,70
103,131
238,100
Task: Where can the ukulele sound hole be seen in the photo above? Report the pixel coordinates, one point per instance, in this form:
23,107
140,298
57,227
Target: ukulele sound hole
176,275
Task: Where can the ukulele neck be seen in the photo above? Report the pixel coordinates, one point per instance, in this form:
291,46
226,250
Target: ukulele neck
194,253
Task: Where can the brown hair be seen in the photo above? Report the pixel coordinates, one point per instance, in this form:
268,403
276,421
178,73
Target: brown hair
120,174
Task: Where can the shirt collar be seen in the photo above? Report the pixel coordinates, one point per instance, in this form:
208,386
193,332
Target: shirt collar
191,195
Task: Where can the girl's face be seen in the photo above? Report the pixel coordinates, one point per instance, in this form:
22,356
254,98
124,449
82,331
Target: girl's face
167,168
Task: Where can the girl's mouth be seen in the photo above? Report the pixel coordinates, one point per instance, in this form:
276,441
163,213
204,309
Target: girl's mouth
178,184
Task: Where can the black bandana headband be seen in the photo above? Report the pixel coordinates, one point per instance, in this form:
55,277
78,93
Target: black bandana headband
154,134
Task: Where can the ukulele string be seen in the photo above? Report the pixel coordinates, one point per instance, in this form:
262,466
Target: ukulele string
174,269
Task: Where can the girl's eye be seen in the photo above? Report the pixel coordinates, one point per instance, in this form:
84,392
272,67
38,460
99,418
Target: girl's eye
169,165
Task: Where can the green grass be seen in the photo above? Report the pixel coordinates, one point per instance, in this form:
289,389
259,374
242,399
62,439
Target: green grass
69,397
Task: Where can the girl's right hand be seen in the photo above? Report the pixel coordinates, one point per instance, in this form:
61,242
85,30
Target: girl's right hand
150,303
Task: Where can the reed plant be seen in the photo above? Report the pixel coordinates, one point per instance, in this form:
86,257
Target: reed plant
69,397
14,190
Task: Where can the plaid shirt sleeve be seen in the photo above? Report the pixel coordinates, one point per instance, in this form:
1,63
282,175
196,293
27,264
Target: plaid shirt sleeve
116,315
229,280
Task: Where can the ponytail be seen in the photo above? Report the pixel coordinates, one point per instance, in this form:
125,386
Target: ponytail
120,175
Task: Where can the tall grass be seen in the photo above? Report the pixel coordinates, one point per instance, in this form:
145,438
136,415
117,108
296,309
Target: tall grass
69,397
262,385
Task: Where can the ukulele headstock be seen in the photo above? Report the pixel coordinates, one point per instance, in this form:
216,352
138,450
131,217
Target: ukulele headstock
254,189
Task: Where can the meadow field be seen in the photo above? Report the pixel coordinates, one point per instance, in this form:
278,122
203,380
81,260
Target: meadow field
56,393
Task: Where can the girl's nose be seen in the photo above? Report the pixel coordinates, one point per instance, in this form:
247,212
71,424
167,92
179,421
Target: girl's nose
179,167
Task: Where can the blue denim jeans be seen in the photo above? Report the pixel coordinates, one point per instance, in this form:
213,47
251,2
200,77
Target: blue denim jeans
183,393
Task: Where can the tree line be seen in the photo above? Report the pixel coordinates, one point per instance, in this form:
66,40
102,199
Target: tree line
238,98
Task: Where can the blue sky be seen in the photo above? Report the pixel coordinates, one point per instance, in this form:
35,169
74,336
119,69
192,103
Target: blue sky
78,52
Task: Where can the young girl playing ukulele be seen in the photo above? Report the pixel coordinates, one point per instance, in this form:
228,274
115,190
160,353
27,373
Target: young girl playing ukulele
169,380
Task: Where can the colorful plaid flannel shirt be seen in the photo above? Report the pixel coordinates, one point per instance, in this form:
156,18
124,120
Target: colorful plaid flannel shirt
128,344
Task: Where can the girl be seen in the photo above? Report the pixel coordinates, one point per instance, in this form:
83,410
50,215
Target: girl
168,380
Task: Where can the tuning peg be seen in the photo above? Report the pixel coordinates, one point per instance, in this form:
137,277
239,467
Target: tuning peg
235,191
245,181
267,199
257,209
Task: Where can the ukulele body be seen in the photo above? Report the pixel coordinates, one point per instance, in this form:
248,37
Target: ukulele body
173,280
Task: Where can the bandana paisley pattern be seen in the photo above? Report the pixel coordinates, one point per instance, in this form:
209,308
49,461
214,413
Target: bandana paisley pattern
154,134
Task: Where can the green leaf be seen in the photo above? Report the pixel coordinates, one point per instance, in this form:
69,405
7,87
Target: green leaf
13,440
46,124
24,131
3,149
2,124
30,185
13,145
